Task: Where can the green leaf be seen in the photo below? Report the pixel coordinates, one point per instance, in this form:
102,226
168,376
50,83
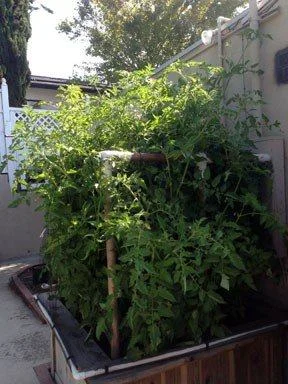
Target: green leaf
165,312
165,294
216,297
202,295
236,261
101,327
225,282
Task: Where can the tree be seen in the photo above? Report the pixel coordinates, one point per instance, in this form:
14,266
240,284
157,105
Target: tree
15,30
129,34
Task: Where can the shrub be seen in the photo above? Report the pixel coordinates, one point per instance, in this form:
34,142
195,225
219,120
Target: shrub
189,233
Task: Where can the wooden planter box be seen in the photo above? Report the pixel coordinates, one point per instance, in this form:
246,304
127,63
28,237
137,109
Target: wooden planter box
254,356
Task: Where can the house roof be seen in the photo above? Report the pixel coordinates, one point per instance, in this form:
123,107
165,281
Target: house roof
56,82
266,8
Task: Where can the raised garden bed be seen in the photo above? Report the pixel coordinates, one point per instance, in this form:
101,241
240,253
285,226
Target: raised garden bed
153,246
29,281
253,353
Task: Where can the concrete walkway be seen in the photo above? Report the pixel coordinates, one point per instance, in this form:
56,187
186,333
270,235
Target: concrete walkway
24,341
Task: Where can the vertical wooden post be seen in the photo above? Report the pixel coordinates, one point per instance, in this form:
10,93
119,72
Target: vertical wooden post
111,256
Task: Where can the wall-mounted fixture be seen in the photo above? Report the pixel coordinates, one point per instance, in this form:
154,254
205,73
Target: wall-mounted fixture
207,36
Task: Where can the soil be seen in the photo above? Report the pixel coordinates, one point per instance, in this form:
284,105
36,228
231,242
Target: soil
35,277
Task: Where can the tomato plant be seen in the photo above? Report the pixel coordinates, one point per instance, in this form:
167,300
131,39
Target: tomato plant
189,232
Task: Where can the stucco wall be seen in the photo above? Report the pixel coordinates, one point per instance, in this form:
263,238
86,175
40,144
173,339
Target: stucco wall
275,96
48,95
20,228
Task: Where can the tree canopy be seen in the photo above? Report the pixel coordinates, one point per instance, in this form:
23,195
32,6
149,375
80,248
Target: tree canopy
15,30
130,34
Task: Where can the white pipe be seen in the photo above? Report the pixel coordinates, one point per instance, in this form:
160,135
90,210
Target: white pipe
255,51
124,155
263,157
220,21
105,156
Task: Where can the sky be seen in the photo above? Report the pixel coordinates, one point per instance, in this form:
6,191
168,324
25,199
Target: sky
51,53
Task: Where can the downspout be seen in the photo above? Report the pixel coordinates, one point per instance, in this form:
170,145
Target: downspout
220,21
255,52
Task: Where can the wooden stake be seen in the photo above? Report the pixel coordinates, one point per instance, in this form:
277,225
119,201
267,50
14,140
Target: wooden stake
111,253
111,256
111,262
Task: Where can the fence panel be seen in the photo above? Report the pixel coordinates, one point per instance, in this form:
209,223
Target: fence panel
9,116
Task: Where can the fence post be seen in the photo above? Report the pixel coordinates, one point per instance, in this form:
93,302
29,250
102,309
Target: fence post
5,103
4,119
10,169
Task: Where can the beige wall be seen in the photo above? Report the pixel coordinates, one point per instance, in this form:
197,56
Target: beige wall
276,97
20,228
49,95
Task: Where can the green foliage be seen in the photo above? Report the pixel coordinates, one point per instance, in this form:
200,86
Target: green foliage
189,232
130,34
14,33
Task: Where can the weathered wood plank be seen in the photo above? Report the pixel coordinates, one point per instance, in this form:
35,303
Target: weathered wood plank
85,355
260,362
173,376
136,375
216,369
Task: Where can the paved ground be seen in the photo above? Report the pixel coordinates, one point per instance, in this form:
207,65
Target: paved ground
24,341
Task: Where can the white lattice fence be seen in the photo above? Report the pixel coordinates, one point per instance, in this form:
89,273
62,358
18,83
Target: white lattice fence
45,117
18,115
9,117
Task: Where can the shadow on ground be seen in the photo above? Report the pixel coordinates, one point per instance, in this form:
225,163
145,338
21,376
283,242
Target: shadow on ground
24,341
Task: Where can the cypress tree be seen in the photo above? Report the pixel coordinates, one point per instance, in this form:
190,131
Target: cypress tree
15,30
